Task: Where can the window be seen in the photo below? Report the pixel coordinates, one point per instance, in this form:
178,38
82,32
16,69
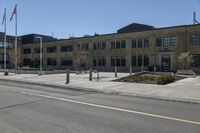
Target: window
27,51
103,45
99,61
134,43
118,61
113,45
123,44
103,61
196,60
195,39
66,62
166,41
139,43
139,60
27,62
67,48
134,63
51,61
146,43
51,49
123,61
94,62
94,46
159,42
84,47
118,45
146,60
173,40
37,50
113,60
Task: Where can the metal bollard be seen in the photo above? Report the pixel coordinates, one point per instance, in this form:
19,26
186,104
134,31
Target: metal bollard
115,71
90,74
67,76
130,70
97,75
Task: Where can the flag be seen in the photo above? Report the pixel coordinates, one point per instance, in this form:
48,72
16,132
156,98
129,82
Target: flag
14,12
4,17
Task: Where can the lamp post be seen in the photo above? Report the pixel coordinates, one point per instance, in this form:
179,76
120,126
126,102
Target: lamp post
38,37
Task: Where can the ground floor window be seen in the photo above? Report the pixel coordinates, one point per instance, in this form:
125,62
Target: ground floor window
66,62
195,60
119,61
27,62
134,61
139,61
146,60
100,61
51,61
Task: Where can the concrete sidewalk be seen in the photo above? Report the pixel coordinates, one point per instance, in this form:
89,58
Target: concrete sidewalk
187,90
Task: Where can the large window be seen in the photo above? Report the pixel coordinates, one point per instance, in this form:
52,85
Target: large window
146,60
37,50
195,39
99,46
159,42
66,62
166,41
134,43
134,61
67,48
113,60
27,62
123,44
123,61
139,60
196,60
51,61
85,47
100,61
140,43
118,44
146,43
27,51
51,49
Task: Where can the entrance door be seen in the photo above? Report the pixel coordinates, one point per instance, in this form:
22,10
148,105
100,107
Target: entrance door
166,63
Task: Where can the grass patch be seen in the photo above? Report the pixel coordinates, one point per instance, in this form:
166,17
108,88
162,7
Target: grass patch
150,79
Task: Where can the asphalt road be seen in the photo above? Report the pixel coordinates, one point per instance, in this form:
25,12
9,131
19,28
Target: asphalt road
36,109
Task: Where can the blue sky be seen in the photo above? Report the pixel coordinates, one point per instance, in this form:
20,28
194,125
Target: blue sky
81,17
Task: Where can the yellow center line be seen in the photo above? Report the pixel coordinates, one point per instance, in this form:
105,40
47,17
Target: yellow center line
114,108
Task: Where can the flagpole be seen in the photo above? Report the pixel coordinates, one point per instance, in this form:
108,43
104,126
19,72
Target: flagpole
16,47
5,41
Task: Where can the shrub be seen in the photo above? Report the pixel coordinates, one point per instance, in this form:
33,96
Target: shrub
165,80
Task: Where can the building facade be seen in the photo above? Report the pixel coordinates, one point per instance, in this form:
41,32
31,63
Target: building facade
166,49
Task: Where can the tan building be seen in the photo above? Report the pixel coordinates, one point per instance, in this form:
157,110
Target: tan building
140,48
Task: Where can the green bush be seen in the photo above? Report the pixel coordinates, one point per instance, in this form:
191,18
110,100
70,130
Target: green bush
165,80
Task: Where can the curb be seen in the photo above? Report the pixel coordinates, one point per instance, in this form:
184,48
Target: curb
183,100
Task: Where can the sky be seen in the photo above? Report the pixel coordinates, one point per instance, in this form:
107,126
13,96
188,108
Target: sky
86,17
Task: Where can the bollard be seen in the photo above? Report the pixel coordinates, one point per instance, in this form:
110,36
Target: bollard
90,74
67,76
97,75
115,71
130,70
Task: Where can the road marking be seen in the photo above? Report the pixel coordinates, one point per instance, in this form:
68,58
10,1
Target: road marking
114,108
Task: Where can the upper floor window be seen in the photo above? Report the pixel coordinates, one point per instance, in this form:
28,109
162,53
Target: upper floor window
146,42
140,43
195,39
158,41
99,46
37,50
166,41
173,40
51,49
27,51
123,44
67,48
118,44
134,43
83,47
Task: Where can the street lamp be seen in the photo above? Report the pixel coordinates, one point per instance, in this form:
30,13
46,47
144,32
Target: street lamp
38,37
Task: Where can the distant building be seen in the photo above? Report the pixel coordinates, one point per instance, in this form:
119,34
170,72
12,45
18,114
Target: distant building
140,46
